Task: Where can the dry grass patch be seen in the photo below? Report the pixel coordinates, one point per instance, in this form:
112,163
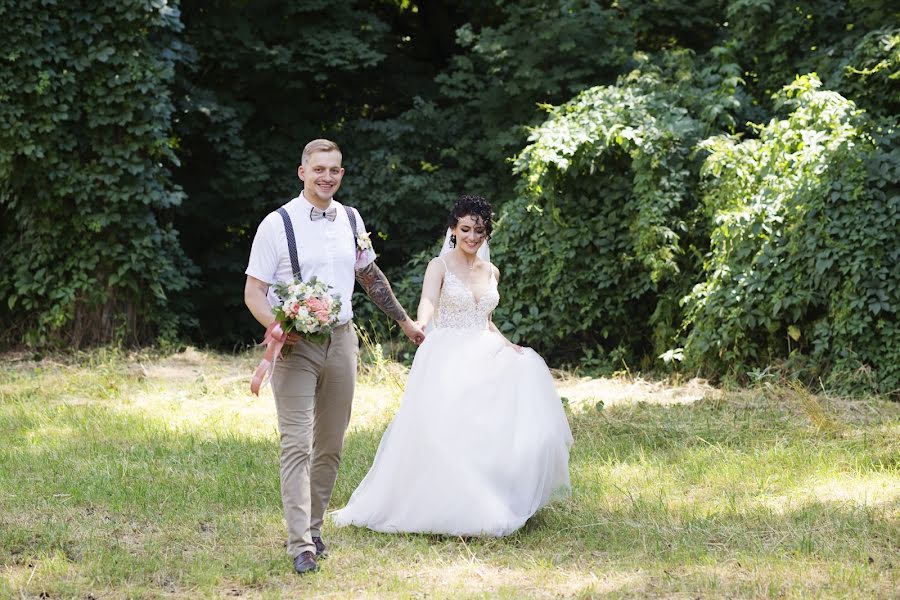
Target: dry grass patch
584,392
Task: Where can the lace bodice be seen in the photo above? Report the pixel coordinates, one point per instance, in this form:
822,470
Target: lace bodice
458,308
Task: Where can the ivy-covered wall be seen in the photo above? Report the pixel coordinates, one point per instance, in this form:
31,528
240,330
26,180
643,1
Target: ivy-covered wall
86,191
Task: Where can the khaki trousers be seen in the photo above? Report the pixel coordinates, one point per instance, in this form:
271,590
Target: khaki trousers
313,390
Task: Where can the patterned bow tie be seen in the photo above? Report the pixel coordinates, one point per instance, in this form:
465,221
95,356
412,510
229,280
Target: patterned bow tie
315,214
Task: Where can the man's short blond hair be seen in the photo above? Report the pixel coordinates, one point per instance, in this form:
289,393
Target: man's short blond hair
320,145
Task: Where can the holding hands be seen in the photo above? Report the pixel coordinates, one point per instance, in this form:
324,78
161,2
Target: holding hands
413,331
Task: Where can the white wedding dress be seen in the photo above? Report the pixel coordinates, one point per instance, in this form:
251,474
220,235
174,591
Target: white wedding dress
480,441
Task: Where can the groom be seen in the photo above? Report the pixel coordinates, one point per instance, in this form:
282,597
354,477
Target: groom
313,235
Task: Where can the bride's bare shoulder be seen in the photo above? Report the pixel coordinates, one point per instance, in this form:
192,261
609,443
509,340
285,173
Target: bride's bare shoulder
436,266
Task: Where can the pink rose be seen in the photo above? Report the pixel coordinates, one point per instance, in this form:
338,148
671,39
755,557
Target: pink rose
323,316
315,305
295,308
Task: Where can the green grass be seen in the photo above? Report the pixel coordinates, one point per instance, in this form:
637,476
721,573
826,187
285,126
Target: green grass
157,477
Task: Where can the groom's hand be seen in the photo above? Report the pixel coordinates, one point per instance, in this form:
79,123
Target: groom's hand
413,331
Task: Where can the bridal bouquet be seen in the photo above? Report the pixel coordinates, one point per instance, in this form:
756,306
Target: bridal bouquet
307,308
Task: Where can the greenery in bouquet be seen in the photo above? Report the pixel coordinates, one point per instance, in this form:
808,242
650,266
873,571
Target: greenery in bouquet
307,308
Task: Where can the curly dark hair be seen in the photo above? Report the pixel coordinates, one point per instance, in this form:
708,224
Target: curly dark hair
472,205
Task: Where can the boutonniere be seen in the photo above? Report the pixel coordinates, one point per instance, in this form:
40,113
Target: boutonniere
363,246
363,241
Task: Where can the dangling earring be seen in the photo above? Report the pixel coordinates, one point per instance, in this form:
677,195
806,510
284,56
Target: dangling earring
453,241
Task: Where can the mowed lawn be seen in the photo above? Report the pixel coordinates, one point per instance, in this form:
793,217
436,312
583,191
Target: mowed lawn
157,477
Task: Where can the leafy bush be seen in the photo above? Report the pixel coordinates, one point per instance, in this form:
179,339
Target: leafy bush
804,248
600,245
871,73
85,188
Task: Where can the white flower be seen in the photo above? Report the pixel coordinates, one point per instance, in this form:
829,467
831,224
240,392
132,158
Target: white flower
364,241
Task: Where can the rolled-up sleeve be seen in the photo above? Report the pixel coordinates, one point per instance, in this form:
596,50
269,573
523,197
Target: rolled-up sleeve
263,263
369,256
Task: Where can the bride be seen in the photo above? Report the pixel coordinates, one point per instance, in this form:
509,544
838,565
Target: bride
480,441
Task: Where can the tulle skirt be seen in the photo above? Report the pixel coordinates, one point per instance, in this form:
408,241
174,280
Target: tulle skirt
479,444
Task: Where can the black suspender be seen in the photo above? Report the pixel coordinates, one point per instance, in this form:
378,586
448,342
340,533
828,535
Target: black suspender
292,240
352,218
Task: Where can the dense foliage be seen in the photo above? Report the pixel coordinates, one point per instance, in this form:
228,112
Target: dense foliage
661,192
605,230
804,246
86,192
510,59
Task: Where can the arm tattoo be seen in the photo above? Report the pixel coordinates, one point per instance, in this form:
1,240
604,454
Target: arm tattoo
376,285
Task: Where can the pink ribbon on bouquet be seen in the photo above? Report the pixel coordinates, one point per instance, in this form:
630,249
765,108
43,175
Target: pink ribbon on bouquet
274,340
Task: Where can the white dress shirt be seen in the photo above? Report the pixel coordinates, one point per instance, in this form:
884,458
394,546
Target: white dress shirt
326,249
